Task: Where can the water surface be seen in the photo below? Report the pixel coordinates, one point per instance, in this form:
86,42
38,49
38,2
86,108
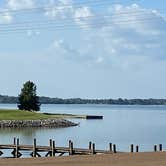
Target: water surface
122,125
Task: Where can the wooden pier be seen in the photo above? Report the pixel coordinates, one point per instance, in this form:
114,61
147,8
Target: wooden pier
51,150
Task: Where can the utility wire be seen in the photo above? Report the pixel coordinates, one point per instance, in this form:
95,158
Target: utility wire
121,15
58,6
84,26
67,23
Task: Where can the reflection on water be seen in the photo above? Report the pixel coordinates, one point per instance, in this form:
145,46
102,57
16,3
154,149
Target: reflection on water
25,134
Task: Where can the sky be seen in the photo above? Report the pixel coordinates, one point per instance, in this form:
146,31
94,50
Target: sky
84,48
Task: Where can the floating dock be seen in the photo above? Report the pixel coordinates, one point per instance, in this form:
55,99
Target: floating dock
93,117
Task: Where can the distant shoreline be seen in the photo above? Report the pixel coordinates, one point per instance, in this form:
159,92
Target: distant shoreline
120,101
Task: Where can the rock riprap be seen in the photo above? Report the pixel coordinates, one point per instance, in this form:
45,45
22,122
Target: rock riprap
36,123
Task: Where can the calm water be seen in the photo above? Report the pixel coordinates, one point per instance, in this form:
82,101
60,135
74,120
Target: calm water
122,125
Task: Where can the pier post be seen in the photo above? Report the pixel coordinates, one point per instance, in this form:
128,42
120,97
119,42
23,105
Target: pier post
90,145
160,147
70,147
34,147
50,142
114,148
137,148
14,141
17,149
110,147
155,148
53,149
131,148
93,148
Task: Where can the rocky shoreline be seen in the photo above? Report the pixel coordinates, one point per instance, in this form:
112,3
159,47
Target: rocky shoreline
36,123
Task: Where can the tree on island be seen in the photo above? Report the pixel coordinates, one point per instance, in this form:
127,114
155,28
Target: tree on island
28,99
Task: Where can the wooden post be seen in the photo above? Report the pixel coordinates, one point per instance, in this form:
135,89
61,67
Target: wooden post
50,142
70,147
34,147
114,148
53,148
90,145
17,149
137,148
110,147
131,148
160,147
155,148
14,141
93,148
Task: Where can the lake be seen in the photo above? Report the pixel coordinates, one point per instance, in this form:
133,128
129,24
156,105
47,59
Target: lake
122,125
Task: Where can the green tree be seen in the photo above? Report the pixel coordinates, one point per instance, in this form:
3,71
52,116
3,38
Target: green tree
28,100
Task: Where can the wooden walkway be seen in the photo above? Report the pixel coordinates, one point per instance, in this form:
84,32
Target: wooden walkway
52,150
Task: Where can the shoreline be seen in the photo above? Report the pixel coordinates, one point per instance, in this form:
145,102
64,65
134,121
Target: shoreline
119,159
57,123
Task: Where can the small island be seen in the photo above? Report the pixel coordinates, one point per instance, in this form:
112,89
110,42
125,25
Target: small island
18,119
28,114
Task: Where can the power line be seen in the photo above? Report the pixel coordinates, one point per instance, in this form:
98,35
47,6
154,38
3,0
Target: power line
70,22
84,26
122,15
59,7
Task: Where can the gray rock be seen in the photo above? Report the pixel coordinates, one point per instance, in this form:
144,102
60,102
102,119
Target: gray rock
36,123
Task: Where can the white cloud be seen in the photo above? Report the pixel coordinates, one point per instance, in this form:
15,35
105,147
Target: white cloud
65,9
131,36
31,33
83,16
6,18
59,9
20,4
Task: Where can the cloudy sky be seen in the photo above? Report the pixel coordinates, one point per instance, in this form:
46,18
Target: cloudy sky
84,48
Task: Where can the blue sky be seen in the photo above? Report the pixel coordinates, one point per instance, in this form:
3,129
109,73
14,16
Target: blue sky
87,49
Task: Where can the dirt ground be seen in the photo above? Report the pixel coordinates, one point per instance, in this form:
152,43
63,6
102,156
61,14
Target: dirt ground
121,159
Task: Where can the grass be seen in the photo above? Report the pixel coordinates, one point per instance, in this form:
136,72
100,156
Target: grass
26,115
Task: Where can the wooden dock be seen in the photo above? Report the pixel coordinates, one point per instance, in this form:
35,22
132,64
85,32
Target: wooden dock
52,149
90,117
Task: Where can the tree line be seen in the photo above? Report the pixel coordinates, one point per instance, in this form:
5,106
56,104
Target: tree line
28,99
48,100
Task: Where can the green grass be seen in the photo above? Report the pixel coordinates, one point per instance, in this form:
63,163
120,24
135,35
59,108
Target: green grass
26,115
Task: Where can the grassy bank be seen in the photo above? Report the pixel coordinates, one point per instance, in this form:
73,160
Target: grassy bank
26,115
